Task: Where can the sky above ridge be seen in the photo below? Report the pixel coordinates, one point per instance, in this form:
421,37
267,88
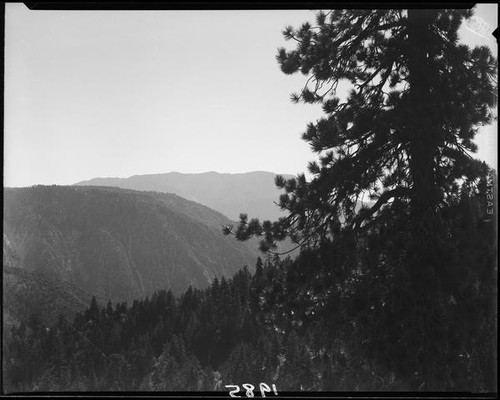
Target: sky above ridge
121,93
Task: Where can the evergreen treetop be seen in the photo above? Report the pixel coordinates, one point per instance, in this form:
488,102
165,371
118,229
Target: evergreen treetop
401,141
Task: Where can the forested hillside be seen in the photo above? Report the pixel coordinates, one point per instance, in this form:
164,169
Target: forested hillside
42,293
112,243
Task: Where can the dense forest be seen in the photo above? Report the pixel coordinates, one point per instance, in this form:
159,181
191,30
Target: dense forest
395,284
199,341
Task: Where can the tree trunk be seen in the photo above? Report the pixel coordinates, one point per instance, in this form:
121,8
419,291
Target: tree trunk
423,144
423,255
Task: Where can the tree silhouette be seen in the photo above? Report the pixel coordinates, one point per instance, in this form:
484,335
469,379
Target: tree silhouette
394,157
402,137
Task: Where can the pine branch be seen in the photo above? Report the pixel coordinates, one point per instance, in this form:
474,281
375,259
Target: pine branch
384,197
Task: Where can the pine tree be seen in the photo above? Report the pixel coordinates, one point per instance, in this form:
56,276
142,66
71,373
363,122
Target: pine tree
92,313
243,365
403,134
393,154
175,369
296,373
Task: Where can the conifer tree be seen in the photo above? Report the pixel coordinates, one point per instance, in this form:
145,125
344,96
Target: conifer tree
393,154
403,136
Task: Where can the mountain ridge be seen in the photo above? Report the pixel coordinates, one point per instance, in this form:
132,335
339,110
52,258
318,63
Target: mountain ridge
253,193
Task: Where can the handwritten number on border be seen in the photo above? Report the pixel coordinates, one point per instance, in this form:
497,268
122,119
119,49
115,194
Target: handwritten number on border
264,387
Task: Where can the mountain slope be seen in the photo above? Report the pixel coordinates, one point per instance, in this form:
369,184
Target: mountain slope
253,193
41,293
117,244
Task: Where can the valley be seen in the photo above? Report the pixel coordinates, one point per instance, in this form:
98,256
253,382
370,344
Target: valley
115,244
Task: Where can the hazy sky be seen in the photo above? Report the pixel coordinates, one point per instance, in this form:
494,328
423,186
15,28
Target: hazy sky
120,93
